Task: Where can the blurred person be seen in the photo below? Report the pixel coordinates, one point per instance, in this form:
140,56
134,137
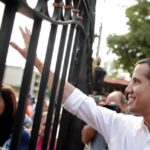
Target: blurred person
41,132
8,105
28,122
119,99
30,105
45,106
98,76
121,132
92,139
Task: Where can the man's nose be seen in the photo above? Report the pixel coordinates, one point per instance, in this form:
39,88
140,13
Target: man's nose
128,89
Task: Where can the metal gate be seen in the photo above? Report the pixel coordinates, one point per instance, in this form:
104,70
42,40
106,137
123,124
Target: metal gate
73,63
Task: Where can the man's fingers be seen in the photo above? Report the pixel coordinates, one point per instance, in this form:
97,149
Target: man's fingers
27,31
20,50
15,46
22,31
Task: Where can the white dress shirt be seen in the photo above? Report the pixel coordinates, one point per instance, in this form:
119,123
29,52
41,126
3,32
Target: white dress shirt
121,132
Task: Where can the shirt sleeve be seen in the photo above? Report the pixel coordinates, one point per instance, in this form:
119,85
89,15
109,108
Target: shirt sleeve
105,121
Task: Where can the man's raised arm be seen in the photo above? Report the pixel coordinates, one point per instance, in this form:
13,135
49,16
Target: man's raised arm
68,89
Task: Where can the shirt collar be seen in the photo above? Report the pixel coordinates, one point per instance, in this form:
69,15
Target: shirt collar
142,126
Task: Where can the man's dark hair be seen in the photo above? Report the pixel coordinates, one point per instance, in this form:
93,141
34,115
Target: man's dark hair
145,61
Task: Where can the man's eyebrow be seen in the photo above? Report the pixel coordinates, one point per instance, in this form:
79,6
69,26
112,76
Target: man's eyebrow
136,79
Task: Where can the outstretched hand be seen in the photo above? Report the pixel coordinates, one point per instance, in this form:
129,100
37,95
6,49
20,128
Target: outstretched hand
26,38
23,51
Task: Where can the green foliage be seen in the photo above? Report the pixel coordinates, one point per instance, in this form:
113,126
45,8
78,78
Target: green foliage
114,75
135,44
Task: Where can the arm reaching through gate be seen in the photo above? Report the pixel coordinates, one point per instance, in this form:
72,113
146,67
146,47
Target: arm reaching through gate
38,64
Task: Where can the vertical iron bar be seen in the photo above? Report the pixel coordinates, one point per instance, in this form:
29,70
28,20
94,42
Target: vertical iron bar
5,34
16,137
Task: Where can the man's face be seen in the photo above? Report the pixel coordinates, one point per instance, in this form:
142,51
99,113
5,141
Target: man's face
139,91
2,105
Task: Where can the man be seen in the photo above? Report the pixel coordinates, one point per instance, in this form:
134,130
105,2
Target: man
119,99
121,132
98,76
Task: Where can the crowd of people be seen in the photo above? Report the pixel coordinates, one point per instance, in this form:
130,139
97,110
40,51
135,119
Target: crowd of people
119,131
